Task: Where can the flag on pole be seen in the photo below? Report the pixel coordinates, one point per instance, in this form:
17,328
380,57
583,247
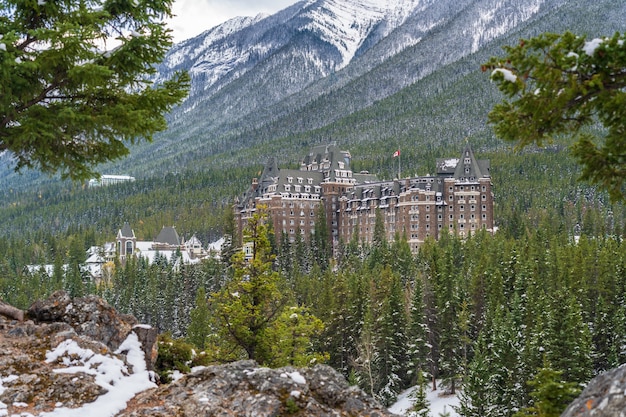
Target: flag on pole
396,153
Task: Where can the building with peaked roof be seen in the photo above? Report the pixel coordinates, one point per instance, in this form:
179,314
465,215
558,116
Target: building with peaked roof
457,199
168,244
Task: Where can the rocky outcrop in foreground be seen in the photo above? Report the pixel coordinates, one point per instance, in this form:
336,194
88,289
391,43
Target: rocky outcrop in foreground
244,389
604,396
80,357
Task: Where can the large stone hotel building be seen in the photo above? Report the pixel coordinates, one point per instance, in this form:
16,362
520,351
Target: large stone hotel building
458,199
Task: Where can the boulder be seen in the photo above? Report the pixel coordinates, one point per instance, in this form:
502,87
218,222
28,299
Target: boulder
90,316
604,396
245,389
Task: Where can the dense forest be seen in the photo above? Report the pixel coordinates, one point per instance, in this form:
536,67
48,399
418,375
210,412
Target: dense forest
546,292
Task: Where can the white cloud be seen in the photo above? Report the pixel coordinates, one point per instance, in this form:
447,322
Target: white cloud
195,16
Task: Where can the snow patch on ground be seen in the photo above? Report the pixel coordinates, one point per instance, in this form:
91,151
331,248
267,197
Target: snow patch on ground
439,403
121,383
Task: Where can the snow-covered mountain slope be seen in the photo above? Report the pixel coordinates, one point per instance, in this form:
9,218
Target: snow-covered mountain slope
347,24
315,47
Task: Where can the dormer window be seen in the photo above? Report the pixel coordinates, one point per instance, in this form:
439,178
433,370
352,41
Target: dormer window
289,180
467,161
299,180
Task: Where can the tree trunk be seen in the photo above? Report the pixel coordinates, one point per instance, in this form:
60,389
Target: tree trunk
11,312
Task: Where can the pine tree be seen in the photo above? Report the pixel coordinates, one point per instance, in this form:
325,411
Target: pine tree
199,327
252,301
68,105
550,395
416,333
391,360
475,400
420,406
288,340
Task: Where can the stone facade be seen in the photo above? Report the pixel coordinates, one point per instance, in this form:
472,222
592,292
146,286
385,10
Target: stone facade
457,199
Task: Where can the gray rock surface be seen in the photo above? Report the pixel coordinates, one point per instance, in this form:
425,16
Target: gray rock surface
245,389
604,396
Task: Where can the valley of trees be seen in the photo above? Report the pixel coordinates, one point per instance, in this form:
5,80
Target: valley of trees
502,315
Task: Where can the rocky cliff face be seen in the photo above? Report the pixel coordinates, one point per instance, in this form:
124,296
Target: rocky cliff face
79,357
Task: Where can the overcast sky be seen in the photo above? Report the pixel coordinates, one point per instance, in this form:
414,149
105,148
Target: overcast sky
195,16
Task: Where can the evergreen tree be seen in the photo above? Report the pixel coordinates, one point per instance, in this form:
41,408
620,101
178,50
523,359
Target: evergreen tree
416,334
199,326
420,406
391,359
550,395
379,254
559,84
569,340
67,105
252,301
321,245
288,340
475,398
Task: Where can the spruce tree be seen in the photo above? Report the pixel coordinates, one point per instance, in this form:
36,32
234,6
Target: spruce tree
199,326
475,399
420,406
550,395
252,301
76,81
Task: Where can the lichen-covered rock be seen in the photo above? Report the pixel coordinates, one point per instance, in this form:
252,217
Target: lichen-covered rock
604,396
89,316
245,389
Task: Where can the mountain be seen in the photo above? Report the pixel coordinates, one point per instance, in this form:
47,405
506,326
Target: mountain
373,76
318,63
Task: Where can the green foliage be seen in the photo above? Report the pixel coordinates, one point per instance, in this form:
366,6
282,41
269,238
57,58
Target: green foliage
199,324
67,102
558,85
174,355
420,406
288,340
550,395
252,301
